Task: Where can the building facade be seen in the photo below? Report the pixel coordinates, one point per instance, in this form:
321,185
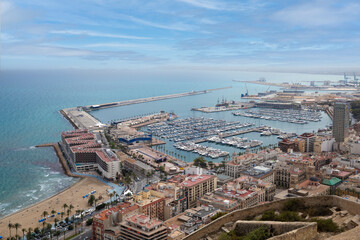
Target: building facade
341,120
195,186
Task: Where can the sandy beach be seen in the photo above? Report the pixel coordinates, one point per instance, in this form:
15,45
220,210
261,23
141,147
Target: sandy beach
29,217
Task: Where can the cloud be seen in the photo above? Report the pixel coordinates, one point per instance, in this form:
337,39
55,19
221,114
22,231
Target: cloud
243,5
59,51
176,26
8,38
96,34
151,47
205,4
321,13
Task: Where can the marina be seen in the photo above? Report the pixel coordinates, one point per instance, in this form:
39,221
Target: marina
194,128
238,142
200,149
285,115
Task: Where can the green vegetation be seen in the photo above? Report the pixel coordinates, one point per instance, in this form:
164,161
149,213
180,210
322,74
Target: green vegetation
293,205
291,210
91,200
319,211
99,207
200,162
260,233
89,222
216,216
326,225
355,109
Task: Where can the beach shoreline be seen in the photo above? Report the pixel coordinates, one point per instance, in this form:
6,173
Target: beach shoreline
73,194
29,216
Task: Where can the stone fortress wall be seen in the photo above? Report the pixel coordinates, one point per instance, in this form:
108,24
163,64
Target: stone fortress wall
249,213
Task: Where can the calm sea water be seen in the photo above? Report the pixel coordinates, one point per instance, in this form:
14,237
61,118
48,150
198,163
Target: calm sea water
30,101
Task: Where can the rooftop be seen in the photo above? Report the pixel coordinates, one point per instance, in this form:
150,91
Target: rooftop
332,181
144,222
122,208
193,179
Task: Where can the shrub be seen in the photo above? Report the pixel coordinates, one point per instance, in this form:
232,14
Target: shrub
288,216
293,205
319,211
216,216
260,233
326,225
268,216
99,207
89,222
71,227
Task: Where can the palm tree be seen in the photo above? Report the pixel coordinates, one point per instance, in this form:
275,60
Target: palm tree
44,214
17,225
68,212
23,231
111,195
56,221
29,231
53,211
65,206
10,226
62,215
71,207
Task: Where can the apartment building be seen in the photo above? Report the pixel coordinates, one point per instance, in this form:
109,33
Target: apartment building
142,227
195,186
106,221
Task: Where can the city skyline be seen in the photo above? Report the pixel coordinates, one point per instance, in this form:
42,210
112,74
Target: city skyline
179,34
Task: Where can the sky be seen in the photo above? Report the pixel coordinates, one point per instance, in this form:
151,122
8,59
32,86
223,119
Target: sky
212,34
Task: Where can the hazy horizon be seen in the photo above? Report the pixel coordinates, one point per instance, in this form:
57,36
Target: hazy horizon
284,36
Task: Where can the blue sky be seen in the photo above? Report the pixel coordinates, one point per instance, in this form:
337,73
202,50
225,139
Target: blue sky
240,34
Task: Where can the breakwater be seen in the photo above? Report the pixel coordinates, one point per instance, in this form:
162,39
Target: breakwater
62,160
149,99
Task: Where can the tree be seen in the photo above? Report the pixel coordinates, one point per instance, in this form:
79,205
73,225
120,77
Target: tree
91,200
71,207
10,226
57,233
29,232
53,212
62,215
89,222
23,231
56,221
65,206
211,164
200,162
45,213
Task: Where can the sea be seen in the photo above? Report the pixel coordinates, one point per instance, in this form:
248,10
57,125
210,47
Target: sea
29,115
